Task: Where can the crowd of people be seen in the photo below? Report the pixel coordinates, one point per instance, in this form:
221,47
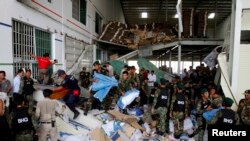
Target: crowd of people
160,100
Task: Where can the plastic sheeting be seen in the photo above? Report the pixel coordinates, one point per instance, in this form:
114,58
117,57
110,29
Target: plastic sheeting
118,66
144,63
129,97
102,85
210,114
211,58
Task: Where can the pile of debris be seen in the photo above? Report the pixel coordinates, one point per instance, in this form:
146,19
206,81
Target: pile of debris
135,35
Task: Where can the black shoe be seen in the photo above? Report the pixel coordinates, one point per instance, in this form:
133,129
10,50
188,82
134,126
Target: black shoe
85,113
76,114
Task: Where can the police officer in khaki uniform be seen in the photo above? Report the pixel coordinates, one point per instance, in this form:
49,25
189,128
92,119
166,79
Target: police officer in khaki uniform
46,112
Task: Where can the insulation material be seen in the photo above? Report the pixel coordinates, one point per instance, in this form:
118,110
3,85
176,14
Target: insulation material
135,36
202,24
187,20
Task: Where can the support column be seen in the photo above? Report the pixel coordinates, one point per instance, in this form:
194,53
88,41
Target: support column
193,61
235,46
170,59
179,60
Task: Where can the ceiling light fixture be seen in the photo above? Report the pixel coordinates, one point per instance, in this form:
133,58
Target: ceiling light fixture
144,15
176,16
211,16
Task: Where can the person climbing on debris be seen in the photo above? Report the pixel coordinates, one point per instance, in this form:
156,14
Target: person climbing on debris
71,84
43,65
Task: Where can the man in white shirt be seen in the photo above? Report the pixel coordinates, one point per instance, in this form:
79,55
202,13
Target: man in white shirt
18,84
151,80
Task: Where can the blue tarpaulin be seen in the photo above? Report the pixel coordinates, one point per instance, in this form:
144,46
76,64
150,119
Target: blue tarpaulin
210,114
102,85
128,98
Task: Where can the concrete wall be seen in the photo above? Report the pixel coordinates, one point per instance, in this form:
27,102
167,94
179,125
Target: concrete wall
55,17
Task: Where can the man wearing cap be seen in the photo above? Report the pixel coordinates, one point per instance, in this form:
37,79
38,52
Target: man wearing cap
98,69
71,84
244,108
46,113
202,106
161,106
226,116
179,109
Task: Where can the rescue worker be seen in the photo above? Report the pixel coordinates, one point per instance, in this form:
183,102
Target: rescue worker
202,106
46,113
153,93
71,84
21,121
28,89
216,99
44,63
125,83
133,76
144,93
179,109
84,78
161,106
244,108
226,116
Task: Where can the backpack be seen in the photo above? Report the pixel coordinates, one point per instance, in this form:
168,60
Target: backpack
245,113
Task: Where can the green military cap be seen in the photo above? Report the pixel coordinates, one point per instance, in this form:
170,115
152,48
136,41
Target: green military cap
247,92
180,85
228,102
163,81
96,63
204,90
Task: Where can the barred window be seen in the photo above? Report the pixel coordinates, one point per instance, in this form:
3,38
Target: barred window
28,39
79,10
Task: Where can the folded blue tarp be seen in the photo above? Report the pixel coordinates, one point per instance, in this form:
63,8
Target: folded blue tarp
128,98
209,115
102,85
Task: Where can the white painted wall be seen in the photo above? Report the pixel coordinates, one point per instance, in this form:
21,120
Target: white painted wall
55,17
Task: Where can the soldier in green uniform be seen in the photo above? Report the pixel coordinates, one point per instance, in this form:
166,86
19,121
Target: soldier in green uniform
216,99
84,78
133,76
201,107
226,116
125,83
244,108
161,107
179,109
92,102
